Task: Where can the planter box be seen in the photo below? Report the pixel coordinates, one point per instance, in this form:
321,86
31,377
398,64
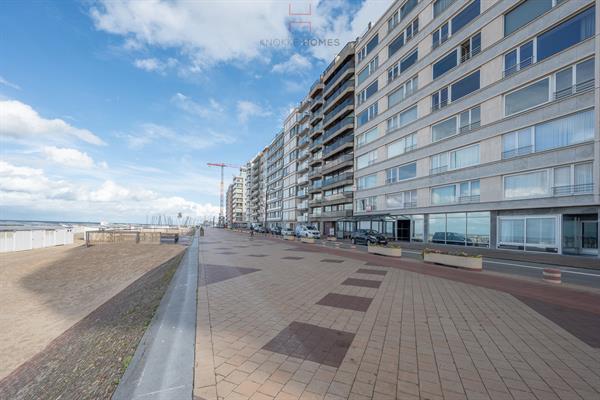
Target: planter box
289,238
385,251
474,263
307,240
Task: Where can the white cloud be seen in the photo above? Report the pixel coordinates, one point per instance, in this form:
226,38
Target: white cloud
205,33
25,188
296,63
69,157
152,133
20,121
9,84
154,64
190,106
247,109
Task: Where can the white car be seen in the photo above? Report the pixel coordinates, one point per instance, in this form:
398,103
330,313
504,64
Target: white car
308,231
287,232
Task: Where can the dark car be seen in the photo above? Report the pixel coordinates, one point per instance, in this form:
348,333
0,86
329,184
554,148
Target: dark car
276,230
366,236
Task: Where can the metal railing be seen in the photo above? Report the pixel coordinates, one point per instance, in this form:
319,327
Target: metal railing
469,199
341,177
573,189
333,79
473,52
517,67
315,172
337,126
438,170
410,204
335,145
440,105
337,91
577,88
339,160
334,111
517,152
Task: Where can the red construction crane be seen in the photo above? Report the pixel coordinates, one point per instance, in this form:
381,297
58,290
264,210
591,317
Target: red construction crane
221,222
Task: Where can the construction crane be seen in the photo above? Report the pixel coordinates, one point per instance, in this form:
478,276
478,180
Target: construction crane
221,222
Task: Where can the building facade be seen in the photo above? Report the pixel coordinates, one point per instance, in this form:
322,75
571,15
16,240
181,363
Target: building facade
274,182
235,215
477,124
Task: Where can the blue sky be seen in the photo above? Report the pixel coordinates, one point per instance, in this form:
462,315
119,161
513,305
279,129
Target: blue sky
111,110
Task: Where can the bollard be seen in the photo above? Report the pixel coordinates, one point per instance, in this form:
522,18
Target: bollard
552,275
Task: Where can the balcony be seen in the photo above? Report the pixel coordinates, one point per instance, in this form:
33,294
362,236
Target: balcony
302,193
315,172
438,170
568,190
336,214
315,201
316,87
517,152
316,142
336,179
302,218
302,180
330,149
331,164
338,127
348,68
338,196
304,141
333,96
316,129
303,205
333,113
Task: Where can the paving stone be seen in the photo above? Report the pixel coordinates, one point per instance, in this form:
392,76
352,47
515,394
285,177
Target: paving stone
348,302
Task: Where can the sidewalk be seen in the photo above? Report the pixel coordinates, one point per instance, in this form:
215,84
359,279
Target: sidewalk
287,320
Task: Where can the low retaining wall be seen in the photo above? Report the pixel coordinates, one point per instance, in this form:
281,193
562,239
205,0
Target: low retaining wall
103,237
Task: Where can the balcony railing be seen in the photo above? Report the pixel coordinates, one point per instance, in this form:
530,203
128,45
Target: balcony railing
566,190
517,67
440,105
334,111
337,91
577,88
337,126
333,79
470,54
338,196
317,141
339,160
410,204
335,145
517,152
316,128
315,172
469,199
438,170
317,185
337,214
341,177
315,201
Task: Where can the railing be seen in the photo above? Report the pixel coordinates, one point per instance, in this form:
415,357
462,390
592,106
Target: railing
334,111
337,126
577,88
339,160
439,105
302,218
330,148
315,201
470,127
302,166
517,67
316,128
438,170
337,91
317,114
302,193
573,189
342,177
339,213
314,85
333,79
338,196
470,54
302,180
317,185
410,204
315,172
517,152
469,199
303,205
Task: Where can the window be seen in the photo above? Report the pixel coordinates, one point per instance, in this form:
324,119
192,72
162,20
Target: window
463,122
470,47
362,53
516,59
573,79
451,27
366,182
464,229
439,6
573,179
517,143
402,119
366,115
366,137
364,94
444,129
401,173
404,91
399,15
403,65
465,86
368,70
527,97
524,13
445,64
469,13
567,34
463,192
396,44
537,233
530,184
367,204
406,199
439,163
464,157
366,159
401,146
470,119
575,128
455,91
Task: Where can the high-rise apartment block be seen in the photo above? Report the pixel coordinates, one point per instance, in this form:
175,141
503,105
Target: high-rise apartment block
466,123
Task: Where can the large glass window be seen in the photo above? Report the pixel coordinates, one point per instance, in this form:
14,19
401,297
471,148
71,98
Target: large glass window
409,60
408,88
404,172
396,44
368,70
444,129
469,13
463,192
565,131
464,157
366,159
530,184
465,86
527,97
524,13
517,143
366,137
464,229
366,182
518,58
366,115
364,94
445,64
402,119
401,146
417,231
537,233
443,195
406,199
440,5
568,33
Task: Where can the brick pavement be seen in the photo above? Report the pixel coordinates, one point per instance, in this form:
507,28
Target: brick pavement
288,328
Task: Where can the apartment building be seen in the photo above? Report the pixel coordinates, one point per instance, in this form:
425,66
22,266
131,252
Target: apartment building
332,143
303,155
235,209
477,124
255,189
274,182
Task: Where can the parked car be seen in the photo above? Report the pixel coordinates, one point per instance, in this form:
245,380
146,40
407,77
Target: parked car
287,232
308,231
366,236
276,230
260,229
451,238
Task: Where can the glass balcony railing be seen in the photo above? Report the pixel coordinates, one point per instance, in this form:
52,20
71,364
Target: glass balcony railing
333,79
337,126
336,92
333,112
338,143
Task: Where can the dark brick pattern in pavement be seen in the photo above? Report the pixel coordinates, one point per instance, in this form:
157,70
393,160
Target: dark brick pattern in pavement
361,283
331,260
218,273
258,255
354,303
371,271
292,258
313,343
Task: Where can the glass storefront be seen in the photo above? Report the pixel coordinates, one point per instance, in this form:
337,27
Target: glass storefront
463,229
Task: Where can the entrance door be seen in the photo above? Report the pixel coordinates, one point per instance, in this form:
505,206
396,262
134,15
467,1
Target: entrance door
589,237
403,231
